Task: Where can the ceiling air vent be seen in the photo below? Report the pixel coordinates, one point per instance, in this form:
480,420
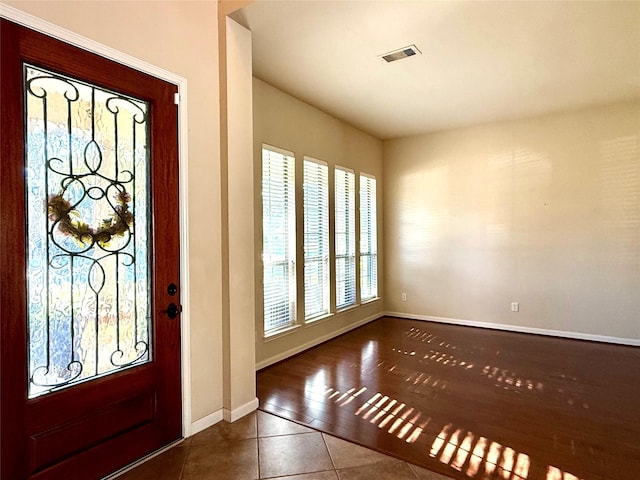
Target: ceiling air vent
401,53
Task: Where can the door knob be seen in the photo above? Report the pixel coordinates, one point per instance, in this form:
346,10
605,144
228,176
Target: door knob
173,310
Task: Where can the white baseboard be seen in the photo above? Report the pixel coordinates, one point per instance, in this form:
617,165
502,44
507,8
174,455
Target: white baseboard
520,329
206,422
241,411
317,341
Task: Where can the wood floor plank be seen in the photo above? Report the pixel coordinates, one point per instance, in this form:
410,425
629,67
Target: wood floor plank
468,402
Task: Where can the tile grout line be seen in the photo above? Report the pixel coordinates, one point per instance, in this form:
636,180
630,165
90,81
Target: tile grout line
329,452
415,474
297,474
184,462
258,443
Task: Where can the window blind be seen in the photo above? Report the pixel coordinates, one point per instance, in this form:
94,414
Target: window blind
316,238
368,238
345,237
278,239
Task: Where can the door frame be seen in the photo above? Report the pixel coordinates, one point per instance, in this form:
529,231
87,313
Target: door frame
34,23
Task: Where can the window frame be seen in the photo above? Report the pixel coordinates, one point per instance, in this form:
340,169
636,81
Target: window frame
349,292
289,262
368,211
321,232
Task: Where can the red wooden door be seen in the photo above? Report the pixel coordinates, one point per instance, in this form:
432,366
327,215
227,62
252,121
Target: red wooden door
89,242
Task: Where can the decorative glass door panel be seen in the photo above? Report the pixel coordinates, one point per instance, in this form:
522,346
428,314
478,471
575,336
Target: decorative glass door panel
88,234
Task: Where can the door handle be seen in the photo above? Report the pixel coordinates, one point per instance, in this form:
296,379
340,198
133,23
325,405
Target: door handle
173,310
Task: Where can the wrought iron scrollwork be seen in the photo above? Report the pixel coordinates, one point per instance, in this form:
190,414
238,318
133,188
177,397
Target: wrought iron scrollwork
86,248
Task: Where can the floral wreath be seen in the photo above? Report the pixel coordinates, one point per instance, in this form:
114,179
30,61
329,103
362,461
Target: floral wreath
61,211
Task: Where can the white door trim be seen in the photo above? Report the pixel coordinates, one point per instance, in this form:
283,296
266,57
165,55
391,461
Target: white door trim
68,36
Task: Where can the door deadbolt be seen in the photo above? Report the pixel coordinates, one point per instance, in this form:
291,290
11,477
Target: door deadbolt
173,310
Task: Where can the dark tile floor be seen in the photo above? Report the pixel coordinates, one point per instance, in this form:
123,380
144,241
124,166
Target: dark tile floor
261,446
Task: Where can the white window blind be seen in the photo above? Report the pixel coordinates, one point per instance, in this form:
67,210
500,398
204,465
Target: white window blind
278,239
316,238
368,238
345,237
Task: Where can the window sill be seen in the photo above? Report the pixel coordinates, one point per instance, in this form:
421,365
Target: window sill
318,319
369,300
280,333
347,309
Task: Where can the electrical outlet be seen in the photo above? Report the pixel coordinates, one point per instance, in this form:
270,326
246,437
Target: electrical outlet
515,307
404,297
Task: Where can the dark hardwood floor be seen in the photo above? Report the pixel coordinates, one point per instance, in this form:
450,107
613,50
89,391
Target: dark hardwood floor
470,402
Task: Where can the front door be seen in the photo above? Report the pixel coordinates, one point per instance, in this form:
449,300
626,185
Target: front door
89,242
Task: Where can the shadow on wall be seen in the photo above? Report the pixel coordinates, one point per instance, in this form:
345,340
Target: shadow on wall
620,192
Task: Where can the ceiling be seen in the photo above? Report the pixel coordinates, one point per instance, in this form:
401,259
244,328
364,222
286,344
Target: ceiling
481,61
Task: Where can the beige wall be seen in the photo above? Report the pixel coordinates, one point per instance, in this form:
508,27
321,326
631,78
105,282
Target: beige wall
238,332
543,211
180,37
285,122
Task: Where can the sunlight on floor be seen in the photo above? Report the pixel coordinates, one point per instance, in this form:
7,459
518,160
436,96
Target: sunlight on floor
554,473
511,381
457,448
400,420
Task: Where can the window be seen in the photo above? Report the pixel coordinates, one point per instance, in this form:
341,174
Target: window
316,238
345,231
368,238
278,239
